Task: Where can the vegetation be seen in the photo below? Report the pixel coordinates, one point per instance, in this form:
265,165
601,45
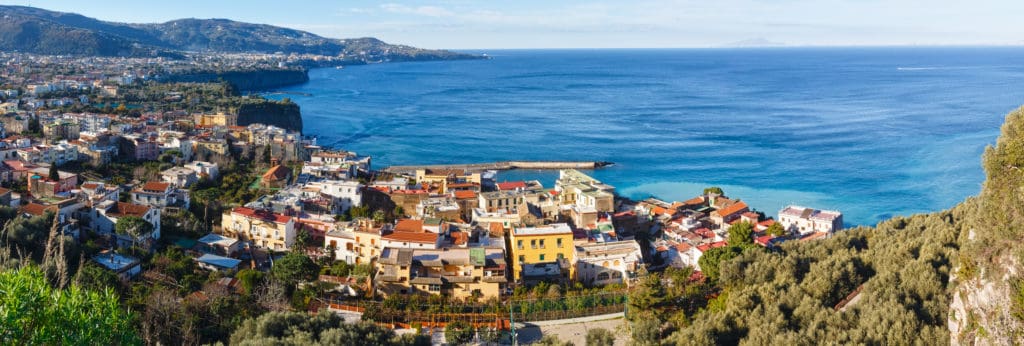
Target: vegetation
298,328
714,189
600,337
458,332
34,313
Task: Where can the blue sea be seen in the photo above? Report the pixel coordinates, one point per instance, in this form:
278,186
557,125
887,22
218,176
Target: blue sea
872,132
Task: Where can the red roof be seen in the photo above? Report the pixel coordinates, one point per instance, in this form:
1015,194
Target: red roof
460,238
752,215
709,246
409,225
683,247
763,240
412,237
511,185
90,186
34,209
155,186
261,214
732,209
467,194
128,209
704,232
276,173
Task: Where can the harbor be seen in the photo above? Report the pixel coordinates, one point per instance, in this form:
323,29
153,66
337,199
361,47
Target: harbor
502,166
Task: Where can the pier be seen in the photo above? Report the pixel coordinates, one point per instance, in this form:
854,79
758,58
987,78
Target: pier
502,166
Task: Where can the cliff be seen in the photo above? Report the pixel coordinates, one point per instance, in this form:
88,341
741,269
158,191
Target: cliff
284,114
988,304
246,80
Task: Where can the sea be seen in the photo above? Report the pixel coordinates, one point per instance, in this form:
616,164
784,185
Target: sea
871,132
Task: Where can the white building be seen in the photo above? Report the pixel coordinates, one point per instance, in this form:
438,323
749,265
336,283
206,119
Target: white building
104,218
345,193
803,220
607,263
202,168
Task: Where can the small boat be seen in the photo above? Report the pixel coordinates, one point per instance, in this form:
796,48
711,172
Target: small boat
339,67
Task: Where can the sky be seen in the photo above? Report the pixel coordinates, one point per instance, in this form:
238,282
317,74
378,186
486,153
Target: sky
463,24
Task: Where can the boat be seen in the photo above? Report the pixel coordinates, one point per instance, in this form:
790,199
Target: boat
339,67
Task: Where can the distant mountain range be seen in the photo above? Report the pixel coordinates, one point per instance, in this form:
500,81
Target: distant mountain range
39,31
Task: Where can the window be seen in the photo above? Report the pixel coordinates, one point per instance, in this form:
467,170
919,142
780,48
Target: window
533,243
558,242
434,288
561,256
542,243
522,258
519,243
542,257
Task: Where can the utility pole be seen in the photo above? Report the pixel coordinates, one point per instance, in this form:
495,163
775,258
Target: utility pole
512,322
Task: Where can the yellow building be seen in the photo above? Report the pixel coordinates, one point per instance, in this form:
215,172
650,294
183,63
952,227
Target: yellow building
542,253
442,178
260,228
219,119
215,146
576,188
456,272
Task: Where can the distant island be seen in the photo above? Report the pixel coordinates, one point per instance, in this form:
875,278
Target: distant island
39,31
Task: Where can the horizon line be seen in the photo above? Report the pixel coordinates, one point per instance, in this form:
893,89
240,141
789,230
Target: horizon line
957,45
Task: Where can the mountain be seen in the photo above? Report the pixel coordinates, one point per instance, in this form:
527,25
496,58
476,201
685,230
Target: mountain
35,30
754,42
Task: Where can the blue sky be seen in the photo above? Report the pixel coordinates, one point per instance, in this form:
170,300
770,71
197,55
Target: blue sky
460,24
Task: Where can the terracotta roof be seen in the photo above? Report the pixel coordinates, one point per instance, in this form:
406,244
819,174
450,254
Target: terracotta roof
155,186
409,225
128,209
34,209
683,247
465,194
815,235
511,185
276,173
709,246
4,191
460,238
699,200
496,228
90,186
763,240
261,214
412,237
732,209
752,215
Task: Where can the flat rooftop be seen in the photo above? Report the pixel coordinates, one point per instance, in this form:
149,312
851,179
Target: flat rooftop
555,228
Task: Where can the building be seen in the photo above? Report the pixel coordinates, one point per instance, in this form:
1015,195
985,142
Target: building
125,267
219,119
260,228
441,207
532,246
104,217
217,263
276,177
344,194
204,169
457,273
179,176
218,244
601,264
803,220
509,201
160,195
576,188
726,215
442,178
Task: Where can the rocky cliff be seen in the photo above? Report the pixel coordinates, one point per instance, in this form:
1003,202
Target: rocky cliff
987,306
284,114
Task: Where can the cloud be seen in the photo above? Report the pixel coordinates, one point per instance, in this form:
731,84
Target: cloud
427,11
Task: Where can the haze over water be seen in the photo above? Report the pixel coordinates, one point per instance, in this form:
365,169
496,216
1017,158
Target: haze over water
873,132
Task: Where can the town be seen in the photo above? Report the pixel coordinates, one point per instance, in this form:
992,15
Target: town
187,198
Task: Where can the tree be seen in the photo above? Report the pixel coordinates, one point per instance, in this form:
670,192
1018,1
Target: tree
551,340
600,337
293,268
134,227
250,279
458,332
300,328
36,314
776,229
715,190
741,234
649,296
646,330
710,260
54,174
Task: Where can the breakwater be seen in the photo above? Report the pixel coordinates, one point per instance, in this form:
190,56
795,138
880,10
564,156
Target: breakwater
503,165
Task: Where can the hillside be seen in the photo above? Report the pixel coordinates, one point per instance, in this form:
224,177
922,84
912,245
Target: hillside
952,276
39,31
